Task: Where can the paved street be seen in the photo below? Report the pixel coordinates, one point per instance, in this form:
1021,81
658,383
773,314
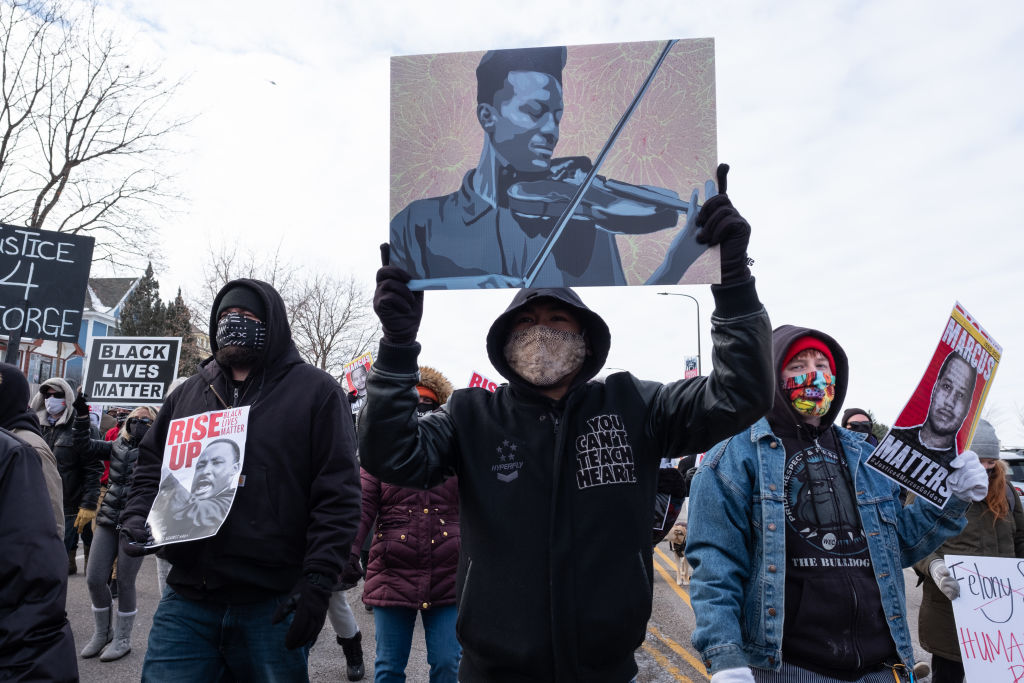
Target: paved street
665,657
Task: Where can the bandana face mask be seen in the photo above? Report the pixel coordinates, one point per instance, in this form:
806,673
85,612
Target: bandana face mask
811,393
234,329
543,356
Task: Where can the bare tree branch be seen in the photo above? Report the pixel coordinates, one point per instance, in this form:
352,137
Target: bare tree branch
84,133
332,318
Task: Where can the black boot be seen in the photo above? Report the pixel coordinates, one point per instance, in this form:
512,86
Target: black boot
72,565
353,648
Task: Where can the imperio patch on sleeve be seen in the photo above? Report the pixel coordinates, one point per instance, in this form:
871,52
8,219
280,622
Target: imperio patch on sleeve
603,454
509,459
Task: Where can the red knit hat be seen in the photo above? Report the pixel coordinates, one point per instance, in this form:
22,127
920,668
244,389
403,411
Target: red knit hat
808,342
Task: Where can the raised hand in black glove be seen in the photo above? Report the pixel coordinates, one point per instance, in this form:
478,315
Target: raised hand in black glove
308,599
81,405
135,535
353,572
399,308
720,223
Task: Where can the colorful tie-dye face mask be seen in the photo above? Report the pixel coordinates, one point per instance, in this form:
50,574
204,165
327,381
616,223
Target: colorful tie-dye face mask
811,393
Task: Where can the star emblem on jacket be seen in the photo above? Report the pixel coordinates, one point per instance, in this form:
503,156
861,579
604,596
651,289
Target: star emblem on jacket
509,462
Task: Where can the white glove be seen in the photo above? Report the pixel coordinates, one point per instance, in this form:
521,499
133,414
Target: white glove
949,586
968,481
740,674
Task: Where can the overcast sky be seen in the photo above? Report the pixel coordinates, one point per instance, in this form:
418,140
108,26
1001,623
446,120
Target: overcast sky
874,148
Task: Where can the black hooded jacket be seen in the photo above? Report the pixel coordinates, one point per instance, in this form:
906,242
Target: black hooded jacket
36,643
297,507
537,475
834,621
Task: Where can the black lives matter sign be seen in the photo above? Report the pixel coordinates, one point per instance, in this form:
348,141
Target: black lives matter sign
43,278
131,370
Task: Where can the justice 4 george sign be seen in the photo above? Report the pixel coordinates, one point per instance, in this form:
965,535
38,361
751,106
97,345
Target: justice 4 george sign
43,278
131,370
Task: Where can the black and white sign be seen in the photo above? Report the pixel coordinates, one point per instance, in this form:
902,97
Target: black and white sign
131,371
43,278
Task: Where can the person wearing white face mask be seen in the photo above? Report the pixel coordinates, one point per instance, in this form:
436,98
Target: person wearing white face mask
58,411
555,456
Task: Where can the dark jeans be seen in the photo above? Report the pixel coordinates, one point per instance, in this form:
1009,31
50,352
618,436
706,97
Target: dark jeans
71,533
946,670
394,627
200,641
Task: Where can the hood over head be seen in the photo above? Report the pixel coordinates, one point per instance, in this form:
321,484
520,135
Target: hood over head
783,414
598,337
38,406
435,381
14,412
279,334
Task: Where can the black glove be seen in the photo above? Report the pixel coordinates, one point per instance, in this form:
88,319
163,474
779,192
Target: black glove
399,308
721,223
135,535
353,572
308,599
81,406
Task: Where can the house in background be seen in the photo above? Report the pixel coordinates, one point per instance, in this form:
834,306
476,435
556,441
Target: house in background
101,317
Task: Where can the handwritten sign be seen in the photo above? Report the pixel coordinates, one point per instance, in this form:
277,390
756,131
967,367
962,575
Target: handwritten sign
989,616
43,279
939,419
131,371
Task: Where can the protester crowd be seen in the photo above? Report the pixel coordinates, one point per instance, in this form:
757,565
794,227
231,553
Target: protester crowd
472,500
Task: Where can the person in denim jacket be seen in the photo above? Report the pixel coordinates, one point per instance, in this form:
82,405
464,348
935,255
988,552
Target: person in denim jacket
798,574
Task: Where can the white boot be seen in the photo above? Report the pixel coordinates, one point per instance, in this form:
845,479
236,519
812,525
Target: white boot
122,643
102,635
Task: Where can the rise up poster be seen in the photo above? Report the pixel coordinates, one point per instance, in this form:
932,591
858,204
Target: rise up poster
201,473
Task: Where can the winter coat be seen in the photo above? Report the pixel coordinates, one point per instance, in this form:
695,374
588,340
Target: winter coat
80,474
35,638
415,549
935,625
802,560
537,476
122,455
296,508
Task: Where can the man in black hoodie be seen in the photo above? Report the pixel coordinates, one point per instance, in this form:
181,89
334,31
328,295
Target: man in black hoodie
247,603
798,575
553,457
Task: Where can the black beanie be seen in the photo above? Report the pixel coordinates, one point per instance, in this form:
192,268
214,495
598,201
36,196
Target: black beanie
13,392
241,296
850,412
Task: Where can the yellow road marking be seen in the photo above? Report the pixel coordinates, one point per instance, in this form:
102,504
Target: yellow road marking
670,579
665,664
690,658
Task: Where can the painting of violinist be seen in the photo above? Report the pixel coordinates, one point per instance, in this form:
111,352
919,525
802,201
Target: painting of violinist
553,166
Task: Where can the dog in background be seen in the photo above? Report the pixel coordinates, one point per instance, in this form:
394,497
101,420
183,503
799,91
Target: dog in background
677,544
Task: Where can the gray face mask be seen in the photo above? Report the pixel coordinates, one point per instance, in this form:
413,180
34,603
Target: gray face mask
544,356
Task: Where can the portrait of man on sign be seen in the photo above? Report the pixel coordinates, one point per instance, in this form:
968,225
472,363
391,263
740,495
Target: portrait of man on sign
188,514
951,398
524,216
